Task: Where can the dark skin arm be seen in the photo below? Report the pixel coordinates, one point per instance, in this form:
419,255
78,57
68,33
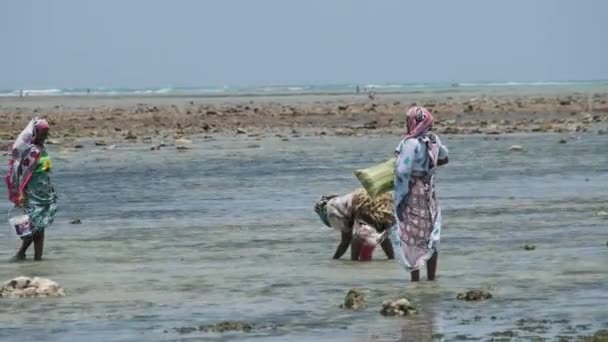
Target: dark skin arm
355,249
343,246
387,247
443,161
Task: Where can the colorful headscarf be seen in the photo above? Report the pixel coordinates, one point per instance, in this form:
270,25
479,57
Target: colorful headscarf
419,122
321,208
24,157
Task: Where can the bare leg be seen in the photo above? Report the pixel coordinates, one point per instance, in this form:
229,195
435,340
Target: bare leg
415,275
355,249
38,246
25,244
431,266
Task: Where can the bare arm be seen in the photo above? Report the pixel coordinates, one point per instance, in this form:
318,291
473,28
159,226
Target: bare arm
344,243
387,247
355,249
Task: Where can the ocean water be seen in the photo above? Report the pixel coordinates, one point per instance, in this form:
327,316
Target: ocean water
321,89
226,231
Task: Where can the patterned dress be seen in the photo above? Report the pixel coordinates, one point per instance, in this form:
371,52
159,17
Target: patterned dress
416,235
41,197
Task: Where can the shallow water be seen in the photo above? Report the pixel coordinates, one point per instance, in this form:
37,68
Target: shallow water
226,231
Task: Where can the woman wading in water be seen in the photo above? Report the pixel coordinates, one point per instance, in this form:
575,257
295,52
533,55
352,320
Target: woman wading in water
29,184
362,221
416,235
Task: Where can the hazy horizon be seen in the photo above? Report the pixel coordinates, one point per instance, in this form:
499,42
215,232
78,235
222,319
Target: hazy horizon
157,44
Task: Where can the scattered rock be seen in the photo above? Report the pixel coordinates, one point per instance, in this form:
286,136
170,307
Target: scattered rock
399,307
529,247
371,125
599,336
227,326
602,132
130,136
563,141
101,143
474,295
185,330
509,334
78,146
76,221
241,131
183,144
24,287
218,327
354,300
517,148
344,132
602,213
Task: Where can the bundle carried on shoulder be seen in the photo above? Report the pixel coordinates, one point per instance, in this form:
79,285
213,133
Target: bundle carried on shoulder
379,178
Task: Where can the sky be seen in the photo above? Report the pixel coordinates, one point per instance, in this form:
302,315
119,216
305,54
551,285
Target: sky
151,43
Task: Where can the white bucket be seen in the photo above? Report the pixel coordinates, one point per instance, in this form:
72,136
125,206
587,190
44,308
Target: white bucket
22,224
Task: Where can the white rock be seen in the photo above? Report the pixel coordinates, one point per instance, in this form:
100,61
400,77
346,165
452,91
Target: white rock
16,293
183,141
20,282
23,287
29,292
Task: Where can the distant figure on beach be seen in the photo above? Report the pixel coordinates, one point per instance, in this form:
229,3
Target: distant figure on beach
88,91
371,94
362,221
29,184
358,90
416,235
20,92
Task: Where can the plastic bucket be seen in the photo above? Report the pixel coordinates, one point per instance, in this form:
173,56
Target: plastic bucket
366,252
21,223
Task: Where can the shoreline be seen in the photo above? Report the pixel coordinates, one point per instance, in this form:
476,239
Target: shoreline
139,117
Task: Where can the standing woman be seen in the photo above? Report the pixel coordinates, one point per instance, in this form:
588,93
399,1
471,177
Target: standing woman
416,235
29,184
